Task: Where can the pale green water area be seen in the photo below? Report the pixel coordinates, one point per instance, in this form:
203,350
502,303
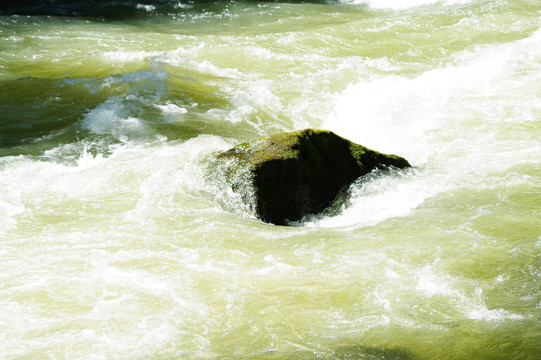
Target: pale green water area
117,240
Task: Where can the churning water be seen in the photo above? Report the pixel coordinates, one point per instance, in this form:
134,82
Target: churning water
117,242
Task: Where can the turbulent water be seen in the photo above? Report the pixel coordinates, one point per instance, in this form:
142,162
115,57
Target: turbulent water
117,240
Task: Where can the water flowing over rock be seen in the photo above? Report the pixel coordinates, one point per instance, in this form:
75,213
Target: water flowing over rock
285,176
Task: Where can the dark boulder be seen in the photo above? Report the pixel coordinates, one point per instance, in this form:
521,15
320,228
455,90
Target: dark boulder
286,176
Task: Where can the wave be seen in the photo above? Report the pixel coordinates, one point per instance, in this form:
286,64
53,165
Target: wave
404,4
450,122
122,9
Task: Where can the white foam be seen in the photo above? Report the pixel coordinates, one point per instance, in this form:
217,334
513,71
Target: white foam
172,112
109,118
378,197
15,38
431,284
11,207
407,116
170,108
134,55
146,7
180,5
450,115
483,313
207,67
403,4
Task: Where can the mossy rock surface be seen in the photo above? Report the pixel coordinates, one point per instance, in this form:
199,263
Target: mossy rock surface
286,176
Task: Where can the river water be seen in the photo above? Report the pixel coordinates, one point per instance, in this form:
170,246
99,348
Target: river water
118,242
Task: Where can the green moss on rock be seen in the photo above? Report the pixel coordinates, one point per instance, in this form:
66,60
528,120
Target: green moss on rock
286,176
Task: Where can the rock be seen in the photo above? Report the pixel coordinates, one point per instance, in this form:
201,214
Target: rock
285,176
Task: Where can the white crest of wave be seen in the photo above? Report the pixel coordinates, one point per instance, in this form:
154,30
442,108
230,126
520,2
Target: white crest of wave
405,115
170,108
10,203
146,7
379,196
109,118
146,182
448,122
431,282
129,56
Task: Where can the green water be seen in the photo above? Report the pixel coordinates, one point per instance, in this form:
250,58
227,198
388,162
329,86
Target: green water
118,240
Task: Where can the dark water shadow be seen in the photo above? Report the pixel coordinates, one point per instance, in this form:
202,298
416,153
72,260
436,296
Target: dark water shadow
38,114
32,109
353,352
122,9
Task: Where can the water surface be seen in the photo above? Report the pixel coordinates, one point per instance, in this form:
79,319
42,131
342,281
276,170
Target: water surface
119,242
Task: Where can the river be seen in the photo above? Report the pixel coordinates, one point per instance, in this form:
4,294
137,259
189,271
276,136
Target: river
118,242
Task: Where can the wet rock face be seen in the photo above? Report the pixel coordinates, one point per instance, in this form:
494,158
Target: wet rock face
286,176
